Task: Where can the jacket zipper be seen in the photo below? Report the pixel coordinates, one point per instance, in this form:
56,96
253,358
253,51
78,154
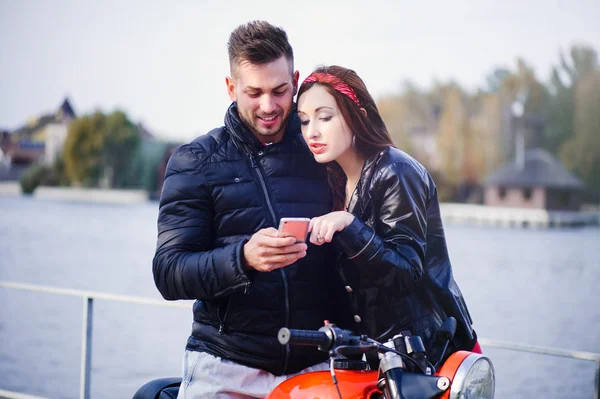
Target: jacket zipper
263,184
259,173
223,320
287,319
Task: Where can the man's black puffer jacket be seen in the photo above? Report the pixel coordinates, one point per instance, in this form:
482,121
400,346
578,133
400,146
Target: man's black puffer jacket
218,191
394,259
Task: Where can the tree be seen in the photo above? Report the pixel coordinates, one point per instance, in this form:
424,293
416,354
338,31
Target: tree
565,77
395,113
121,140
496,78
581,152
83,150
524,87
100,148
451,134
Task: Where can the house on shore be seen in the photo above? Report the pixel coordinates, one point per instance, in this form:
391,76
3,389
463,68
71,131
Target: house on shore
39,140
537,181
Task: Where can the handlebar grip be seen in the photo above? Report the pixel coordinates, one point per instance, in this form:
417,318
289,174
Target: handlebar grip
303,337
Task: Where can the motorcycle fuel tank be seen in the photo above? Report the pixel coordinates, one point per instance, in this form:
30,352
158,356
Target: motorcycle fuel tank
352,385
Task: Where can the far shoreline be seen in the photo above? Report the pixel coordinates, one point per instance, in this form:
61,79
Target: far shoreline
455,213
79,194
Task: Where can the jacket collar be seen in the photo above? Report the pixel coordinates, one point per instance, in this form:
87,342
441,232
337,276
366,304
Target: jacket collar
242,135
358,204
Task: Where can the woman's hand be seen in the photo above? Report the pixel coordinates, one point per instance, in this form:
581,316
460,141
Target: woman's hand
323,227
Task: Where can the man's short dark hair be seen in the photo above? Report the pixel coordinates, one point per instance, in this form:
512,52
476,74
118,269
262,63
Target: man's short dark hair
258,42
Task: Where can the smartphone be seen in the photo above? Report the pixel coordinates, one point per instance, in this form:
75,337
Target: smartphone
298,227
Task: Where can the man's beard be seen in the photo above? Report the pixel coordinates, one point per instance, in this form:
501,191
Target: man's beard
253,127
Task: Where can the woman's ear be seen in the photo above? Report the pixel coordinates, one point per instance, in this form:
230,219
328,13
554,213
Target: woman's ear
364,111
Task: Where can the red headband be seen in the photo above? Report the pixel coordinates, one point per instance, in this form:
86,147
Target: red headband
334,82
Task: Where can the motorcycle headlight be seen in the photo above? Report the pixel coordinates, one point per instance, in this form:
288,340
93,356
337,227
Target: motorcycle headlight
472,376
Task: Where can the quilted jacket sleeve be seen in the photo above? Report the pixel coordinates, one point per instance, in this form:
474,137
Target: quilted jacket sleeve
186,266
392,255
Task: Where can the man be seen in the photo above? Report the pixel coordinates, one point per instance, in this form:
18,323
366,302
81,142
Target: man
223,195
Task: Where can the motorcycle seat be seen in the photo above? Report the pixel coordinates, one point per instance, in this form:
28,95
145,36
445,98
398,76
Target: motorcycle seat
162,388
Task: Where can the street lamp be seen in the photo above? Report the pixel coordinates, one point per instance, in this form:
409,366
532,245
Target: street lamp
518,110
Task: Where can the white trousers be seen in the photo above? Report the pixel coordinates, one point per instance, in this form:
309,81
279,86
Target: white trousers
209,377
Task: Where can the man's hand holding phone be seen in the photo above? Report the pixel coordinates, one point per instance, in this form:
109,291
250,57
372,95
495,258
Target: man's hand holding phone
269,249
297,227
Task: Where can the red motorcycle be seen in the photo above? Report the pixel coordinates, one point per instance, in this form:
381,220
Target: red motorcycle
404,371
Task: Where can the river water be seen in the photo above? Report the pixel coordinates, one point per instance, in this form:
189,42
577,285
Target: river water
536,287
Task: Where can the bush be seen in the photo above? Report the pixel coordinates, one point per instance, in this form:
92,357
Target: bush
34,176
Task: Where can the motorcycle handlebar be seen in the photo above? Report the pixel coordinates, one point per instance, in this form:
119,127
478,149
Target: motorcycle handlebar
303,337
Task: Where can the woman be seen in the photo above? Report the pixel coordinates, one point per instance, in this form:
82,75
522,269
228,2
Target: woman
386,217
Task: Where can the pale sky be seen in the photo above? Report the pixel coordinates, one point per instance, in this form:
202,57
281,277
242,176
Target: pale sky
165,62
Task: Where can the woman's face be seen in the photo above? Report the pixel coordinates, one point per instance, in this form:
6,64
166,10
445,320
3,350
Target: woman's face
323,126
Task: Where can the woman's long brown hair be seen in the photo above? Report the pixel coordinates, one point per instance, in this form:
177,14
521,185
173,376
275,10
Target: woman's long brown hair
370,132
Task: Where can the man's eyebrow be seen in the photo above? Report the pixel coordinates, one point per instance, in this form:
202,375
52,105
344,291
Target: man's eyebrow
259,89
280,86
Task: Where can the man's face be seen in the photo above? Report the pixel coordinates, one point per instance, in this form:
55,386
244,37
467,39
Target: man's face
264,96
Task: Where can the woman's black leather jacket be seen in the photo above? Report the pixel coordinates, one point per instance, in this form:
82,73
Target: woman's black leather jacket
394,260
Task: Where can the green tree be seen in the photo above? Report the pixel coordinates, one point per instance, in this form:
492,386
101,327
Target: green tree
59,170
83,150
121,141
581,152
582,60
34,176
100,149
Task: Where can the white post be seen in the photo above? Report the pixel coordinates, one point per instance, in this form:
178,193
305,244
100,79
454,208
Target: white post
597,387
86,347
